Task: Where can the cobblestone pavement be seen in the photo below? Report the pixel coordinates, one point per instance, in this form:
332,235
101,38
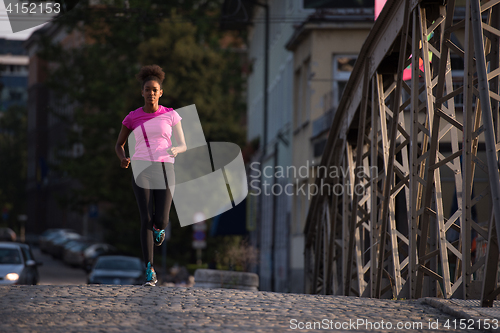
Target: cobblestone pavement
175,309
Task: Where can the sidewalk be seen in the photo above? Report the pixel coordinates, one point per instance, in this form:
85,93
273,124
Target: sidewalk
107,308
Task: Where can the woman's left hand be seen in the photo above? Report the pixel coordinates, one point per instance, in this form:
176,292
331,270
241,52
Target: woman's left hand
173,151
179,138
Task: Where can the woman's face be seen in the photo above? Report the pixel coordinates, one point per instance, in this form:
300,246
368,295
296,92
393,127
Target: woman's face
151,92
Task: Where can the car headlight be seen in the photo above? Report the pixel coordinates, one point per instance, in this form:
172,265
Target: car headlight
12,276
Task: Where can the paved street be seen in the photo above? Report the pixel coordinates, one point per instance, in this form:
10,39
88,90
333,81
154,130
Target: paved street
54,272
176,309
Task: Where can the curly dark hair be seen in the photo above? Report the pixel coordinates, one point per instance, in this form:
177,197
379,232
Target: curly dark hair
151,72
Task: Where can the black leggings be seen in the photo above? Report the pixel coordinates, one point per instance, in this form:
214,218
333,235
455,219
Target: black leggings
161,199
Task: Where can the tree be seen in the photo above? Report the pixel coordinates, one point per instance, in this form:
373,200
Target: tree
98,77
13,150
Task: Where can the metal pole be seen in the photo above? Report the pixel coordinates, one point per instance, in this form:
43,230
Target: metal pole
264,117
86,222
266,68
266,79
489,135
164,260
274,222
198,258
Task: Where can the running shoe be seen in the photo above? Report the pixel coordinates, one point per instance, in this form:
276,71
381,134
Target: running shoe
158,236
150,276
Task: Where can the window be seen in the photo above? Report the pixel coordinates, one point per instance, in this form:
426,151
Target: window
457,71
457,62
307,91
277,12
298,99
298,212
459,99
16,95
10,256
342,68
302,96
319,147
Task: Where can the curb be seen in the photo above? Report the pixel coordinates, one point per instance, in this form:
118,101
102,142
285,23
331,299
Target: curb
470,310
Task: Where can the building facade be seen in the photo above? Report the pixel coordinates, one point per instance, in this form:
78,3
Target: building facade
312,48
270,207
13,74
325,48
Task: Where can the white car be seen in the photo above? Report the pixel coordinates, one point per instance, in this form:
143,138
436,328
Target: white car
17,264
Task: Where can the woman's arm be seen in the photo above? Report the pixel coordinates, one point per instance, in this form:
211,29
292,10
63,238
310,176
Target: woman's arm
179,137
120,144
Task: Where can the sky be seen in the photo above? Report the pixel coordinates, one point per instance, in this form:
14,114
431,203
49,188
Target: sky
6,30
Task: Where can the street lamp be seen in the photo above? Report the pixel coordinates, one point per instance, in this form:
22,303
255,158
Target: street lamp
22,221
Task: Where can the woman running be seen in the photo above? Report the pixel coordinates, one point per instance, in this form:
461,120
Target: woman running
153,126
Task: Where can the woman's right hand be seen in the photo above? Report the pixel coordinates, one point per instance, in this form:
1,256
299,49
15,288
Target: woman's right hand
119,147
125,162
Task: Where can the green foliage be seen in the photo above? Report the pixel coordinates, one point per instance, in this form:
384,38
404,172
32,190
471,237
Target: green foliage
197,74
13,149
235,253
98,80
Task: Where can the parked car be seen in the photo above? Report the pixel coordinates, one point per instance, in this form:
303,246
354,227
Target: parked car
43,236
7,235
55,245
117,270
50,234
93,252
17,264
74,252
61,250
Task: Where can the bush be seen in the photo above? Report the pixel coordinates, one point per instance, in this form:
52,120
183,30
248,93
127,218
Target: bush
238,255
